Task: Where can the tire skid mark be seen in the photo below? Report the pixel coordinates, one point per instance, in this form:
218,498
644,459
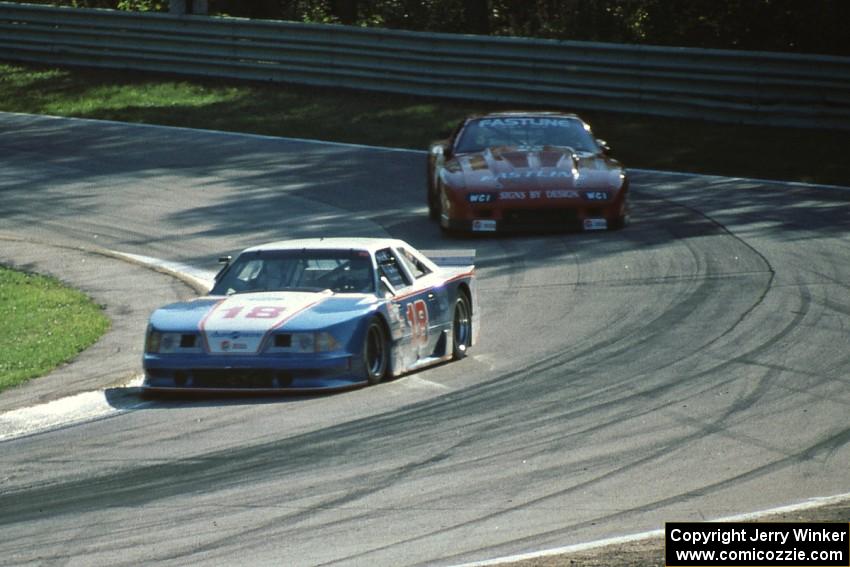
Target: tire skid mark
667,321
839,440
762,257
701,429
675,314
514,269
742,358
828,446
301,514
637,282
750,400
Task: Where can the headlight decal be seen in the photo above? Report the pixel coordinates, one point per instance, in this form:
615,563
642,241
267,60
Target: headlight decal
159,342
152,341
304,343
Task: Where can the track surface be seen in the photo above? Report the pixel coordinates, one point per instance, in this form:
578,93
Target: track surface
692,366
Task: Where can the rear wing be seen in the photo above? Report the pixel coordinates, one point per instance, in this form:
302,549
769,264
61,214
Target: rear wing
451,258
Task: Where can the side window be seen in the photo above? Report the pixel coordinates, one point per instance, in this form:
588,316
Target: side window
416,268
388,267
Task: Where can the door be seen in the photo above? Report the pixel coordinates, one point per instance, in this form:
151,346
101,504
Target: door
413,302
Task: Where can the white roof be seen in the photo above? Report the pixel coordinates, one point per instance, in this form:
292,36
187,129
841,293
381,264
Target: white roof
335,243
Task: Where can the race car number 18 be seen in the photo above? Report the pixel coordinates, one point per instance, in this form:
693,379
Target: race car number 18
417,316
259,312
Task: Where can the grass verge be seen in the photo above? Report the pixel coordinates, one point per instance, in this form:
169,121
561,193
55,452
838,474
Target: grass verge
789,154
45,323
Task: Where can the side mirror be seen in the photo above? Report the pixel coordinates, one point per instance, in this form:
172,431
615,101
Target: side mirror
440,150
604,145
388,287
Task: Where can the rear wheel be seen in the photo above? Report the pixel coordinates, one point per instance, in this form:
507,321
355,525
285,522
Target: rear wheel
461,327
376,354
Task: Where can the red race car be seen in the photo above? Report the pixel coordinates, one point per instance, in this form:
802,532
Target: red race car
525,171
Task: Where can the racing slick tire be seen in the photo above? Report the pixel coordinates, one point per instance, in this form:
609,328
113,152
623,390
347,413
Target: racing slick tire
622,220
433,210
376,352
433,204
446,227
461,327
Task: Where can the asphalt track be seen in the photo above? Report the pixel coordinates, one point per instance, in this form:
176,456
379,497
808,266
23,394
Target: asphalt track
692,366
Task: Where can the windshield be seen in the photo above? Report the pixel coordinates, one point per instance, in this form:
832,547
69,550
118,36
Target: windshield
525,132
344,271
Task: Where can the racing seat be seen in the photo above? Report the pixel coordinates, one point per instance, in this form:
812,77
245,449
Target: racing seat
355,278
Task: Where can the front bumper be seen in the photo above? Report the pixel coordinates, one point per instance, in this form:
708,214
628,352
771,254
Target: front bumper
531,220
251,374
562,215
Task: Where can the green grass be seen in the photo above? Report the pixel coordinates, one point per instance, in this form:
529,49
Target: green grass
792,154
45,323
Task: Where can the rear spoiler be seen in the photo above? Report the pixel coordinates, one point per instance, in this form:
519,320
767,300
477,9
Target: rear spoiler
451,258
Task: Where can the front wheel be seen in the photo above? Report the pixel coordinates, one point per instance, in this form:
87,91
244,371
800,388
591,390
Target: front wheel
433,208
376,353
442,206
461,328
433,205
621,221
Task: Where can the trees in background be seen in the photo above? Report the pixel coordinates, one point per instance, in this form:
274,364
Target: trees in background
814,26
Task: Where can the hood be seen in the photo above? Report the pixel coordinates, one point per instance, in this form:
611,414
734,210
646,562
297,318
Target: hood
244,320
548,168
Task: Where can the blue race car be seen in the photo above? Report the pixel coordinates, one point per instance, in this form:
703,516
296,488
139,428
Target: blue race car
315,314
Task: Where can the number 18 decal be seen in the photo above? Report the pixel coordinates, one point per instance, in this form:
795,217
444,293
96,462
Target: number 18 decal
417,316
258,312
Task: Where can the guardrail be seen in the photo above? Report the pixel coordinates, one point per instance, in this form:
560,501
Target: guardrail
737,86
